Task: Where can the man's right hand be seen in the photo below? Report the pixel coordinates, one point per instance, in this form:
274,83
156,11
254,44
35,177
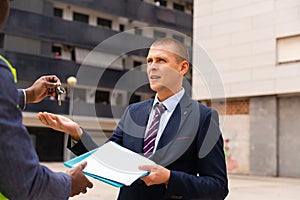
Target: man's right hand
61,123
79,181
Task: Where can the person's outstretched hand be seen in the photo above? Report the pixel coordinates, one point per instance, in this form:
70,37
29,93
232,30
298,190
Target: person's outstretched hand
41,88
61,123
79,181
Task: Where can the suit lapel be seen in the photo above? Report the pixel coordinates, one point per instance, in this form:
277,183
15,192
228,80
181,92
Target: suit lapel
179,132
176,121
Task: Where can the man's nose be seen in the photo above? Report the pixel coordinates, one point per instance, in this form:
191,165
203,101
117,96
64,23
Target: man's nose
153,66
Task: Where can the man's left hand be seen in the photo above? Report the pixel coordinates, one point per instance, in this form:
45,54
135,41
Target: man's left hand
158,174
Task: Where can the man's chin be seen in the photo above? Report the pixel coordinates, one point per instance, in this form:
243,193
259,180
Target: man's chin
155,87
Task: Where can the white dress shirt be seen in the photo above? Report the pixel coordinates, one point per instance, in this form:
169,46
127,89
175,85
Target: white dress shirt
170,105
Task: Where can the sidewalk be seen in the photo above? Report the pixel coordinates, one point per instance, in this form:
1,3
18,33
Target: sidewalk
241,188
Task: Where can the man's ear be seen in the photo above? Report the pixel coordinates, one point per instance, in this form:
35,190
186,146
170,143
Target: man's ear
184,67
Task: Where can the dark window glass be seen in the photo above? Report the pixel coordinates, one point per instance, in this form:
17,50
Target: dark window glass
56,51
102,97
80,17
161,2
137,31
43,140
1,40
104,22
121,27
179,38
58,12
177,6
73,54
158,34
137,63
134,98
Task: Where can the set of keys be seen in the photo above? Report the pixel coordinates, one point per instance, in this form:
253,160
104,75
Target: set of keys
59,91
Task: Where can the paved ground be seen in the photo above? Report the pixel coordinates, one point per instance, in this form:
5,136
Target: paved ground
241,188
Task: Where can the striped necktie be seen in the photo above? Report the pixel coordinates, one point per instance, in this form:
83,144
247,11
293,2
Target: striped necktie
149,140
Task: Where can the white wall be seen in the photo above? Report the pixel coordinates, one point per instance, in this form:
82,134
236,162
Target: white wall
240,38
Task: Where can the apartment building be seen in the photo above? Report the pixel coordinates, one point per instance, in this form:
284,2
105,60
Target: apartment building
255,48
64,37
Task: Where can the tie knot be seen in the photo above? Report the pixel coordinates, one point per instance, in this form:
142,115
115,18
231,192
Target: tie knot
159,107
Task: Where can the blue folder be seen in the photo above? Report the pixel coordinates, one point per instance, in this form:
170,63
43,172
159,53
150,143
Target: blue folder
74,161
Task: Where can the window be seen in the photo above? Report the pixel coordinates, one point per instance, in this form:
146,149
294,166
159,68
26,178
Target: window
73,54
56,50
121,27
179,38
137,63
159,34
102,97
104,22
160,3
134,98
58,12
79,95
179,7
80,17
1,40
288,49
137,31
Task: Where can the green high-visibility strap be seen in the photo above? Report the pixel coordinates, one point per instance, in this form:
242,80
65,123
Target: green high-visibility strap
12,69
3,197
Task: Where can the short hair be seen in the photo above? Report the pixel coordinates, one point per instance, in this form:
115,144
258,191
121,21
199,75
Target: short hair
177,47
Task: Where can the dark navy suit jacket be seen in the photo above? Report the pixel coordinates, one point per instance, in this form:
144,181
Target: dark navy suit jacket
21,175
191,147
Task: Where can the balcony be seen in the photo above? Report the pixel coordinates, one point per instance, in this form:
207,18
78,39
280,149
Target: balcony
140,11
31,67
53,29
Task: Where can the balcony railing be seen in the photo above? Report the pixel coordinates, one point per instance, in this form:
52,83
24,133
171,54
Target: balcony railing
54,29
80,109
140,11
31,67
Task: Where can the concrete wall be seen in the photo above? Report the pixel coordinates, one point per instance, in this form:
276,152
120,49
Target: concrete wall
289,136
263,136
240,38
275,136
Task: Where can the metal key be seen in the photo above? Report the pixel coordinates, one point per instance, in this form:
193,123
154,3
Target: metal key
59,91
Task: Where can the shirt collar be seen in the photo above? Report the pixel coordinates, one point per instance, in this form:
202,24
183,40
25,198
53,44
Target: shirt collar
171,102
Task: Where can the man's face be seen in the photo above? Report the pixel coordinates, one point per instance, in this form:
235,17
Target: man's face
163,70
4,10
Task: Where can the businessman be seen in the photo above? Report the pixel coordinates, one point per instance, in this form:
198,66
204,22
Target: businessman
22,177
181,135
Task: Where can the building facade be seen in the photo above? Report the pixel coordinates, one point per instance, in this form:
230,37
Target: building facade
255,47
65,38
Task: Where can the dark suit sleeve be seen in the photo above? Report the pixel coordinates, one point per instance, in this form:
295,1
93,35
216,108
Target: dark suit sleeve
211,181
85,144
22,177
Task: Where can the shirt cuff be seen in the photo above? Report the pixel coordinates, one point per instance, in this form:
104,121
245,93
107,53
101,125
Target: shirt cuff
73,142
21,99
24,98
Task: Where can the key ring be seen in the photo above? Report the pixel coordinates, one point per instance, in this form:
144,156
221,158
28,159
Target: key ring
60,90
